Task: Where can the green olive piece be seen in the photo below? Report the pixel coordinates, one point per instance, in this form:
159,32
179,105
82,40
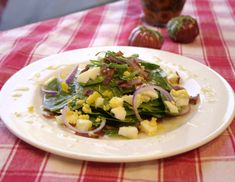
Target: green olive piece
183,29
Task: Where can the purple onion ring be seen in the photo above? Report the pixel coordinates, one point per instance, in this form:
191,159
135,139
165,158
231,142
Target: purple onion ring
77,131
147,88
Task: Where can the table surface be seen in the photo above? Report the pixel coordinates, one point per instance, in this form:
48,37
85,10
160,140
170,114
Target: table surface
110,25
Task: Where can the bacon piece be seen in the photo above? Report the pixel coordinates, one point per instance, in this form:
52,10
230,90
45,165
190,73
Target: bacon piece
112,59
85,69
194,99
129,84
46,113
119,53
108,74
88,92
177,87
134,64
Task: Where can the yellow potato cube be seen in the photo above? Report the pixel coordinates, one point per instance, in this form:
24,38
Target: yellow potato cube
83,116
84,124
99,102
181,97
92,98
107,93
149,127
127,98
128,132
86,108
92,73
126,73
72,117
172,107
150,93
174,79
116,102
119,113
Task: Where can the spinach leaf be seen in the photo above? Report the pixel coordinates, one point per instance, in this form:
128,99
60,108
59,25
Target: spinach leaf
61,99
159,80
90,82
154,108
118,66
149,66
111,131
55,103
54,84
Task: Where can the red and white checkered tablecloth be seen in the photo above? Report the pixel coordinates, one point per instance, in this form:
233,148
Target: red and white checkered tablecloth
110,25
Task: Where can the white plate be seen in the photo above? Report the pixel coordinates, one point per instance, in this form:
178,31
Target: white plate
214,113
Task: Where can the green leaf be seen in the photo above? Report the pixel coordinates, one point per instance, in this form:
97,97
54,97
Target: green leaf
53,85
118,66
149,66
54,104
111,131
154,108
159,80
59,101
90,82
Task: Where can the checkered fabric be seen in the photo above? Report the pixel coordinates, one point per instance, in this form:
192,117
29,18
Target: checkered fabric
110,25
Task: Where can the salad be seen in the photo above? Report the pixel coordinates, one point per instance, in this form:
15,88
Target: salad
115,95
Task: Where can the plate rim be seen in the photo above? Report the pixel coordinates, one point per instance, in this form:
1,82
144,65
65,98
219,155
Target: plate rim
152,156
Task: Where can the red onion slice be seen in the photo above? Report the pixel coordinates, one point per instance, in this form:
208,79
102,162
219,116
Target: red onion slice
72,75
148,88
77,131
129,84
49,92
69,78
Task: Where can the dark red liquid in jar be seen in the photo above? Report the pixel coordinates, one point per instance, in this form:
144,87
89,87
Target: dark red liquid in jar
159,12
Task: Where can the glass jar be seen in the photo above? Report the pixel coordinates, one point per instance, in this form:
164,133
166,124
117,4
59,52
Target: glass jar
159,12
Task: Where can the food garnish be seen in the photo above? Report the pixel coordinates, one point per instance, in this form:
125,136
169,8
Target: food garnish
142,36
183,29
115,95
